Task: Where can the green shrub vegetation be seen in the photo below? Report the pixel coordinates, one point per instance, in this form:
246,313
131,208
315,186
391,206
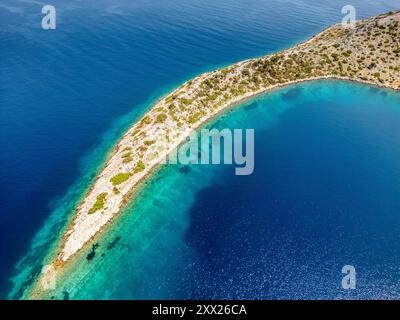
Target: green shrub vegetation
149,142
161,117
139,167
127,155
127,160
119,178
116,191
135,132
146,120
170,98
99,204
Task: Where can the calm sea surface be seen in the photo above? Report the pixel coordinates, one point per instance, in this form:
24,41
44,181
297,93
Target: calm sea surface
326,186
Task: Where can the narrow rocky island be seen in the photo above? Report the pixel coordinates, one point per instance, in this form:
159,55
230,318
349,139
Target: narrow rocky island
368,53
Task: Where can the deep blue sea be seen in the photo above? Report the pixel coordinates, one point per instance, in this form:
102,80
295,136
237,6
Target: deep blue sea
326,186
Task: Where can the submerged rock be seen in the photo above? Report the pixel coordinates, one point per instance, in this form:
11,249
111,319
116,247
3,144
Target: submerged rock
92,252
113,243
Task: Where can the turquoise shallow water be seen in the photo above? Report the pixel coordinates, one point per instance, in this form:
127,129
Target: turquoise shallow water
67,96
